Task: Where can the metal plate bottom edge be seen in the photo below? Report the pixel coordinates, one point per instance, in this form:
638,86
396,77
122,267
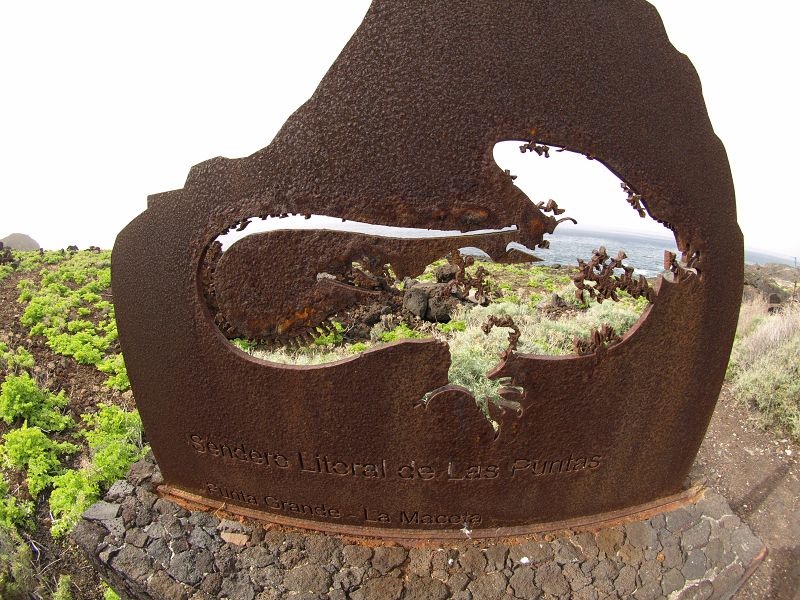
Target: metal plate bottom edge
586,523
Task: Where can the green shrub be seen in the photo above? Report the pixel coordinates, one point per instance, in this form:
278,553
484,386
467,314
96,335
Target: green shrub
114,366
452,326
30,260
244,345
73,492
108,593
90,297
84,346
13,361
79,325
5,271
334,336
111,462
73,290
544,278
115,439
29,449
510,298
534,299
22,399
115,442
401,332
26,288
13,512
357,347
110,425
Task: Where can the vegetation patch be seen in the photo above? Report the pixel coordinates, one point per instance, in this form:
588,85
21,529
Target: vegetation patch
67,301
68,310
30,450
15,361
765,365
115,443
17,577
13,512
21,399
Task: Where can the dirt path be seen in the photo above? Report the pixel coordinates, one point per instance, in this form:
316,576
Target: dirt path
759,474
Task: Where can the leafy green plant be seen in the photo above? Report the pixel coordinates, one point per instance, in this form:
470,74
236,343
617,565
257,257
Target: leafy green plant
535,299
115,441
510,298
71,291
26,288
13,361
401,332
29,449
114,366
335,335
245,344
73,492
108,593
357,347
84,346
22,399
452,326
13,512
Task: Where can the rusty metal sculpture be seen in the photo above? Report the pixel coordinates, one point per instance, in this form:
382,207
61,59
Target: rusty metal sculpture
400,132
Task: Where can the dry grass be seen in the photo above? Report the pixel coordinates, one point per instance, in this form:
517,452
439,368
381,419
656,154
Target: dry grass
751,314
765,366
311,355
474,353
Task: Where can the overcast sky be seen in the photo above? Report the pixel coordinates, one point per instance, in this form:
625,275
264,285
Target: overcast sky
103,103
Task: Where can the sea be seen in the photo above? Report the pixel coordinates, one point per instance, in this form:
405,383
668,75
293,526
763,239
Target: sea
645,253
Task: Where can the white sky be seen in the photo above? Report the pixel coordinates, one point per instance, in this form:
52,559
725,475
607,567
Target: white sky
103,103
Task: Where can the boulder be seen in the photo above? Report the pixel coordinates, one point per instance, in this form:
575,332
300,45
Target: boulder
446,273
430,301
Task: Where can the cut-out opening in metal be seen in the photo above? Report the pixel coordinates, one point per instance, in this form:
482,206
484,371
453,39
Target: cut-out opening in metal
385,319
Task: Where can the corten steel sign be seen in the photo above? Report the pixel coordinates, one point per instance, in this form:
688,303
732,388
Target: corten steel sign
400,132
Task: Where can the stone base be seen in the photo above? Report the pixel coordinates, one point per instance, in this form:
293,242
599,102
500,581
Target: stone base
149,548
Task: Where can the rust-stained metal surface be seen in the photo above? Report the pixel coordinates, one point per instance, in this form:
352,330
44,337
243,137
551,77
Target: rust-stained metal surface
400,132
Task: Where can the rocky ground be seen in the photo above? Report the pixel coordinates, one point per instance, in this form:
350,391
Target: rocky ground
154,549
758,473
